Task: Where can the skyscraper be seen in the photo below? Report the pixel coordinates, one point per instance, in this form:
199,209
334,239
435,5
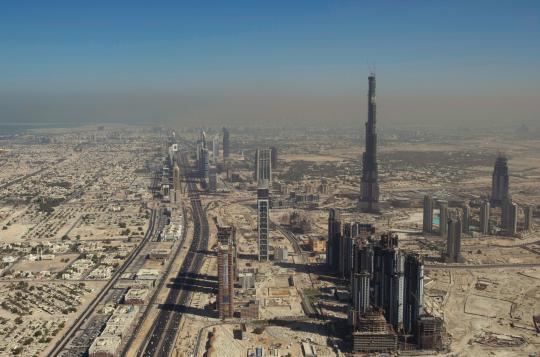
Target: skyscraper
263,166
369,190
177,181
274,154
388,279
428,214
263,224
215,148
346,250
500,182
453,240
334,237
484,218
360,280
443,218
509,217
204,164
225,301
529,214
212,179
226,143
202,139
414,291
466,221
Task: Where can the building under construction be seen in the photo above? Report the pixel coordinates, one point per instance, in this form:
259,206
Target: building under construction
386,304
225,301
374,334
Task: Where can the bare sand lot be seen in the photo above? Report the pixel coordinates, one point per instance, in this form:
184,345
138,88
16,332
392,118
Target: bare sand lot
59,263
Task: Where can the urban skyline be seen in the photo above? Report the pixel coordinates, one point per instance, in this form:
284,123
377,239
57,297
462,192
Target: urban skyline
215,180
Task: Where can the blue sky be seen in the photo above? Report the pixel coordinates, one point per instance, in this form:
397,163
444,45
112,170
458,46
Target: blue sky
288,51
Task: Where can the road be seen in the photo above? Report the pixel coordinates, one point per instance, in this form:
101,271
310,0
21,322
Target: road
158,288
290,237
482,266
68,336
162,335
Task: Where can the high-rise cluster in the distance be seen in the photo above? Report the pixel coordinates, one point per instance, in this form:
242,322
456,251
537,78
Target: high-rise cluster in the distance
208,158
453,221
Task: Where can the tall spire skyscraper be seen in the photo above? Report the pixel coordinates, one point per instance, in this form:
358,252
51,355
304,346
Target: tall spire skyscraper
369,190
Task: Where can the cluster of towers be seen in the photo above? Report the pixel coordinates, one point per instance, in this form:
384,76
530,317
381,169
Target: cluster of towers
386,284
453,222
171,182
208,157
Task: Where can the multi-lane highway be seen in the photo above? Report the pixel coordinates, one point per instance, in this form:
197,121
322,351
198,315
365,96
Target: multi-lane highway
161,338
84,316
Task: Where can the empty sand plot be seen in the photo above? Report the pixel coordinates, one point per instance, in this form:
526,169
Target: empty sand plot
488,307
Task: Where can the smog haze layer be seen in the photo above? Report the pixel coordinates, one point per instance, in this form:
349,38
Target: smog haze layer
276,63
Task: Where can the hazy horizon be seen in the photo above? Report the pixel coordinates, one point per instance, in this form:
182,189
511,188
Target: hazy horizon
301,63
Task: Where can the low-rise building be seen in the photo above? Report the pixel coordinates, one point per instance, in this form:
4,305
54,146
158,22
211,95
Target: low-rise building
318,244
147,274
136,296
105,346
159,254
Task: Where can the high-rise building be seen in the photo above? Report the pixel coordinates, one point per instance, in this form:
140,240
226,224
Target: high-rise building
334,240
387,288
215,148
346,251
351,232
360,280
225,301
484,218
443,218
453,240
226,143
274,155
529,214
263,223
263,166
466,218
204,163
500,182
414,291
202,139
177,181
428,214
509,217
212,179
369,189
226,235
388,279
